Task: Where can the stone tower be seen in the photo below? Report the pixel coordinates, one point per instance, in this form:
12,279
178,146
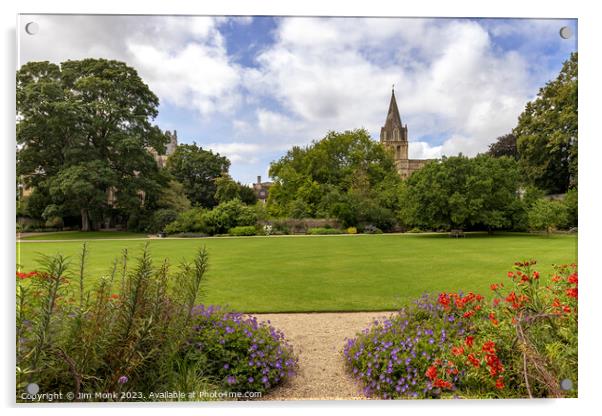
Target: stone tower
173,142
394,136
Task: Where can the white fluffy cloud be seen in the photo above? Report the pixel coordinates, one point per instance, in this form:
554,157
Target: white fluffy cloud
326,74
456,87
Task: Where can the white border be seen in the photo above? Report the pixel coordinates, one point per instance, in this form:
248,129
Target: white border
590,138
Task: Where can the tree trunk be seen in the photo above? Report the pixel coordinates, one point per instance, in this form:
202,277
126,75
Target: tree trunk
85,220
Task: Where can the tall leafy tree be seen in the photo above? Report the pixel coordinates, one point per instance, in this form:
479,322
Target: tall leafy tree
83,128
547,133
504,146
345,175
197,169
460,192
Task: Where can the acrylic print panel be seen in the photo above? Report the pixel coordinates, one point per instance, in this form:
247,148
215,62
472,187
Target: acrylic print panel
275,208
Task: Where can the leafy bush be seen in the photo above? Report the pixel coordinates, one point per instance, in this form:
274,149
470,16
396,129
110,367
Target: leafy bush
415,230
120,336
54,222
351,230
160,219
243,230
188,221
228,215
239,353
525,343
391,357
547,215
324,231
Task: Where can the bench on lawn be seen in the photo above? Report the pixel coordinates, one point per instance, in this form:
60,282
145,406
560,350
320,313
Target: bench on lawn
456,233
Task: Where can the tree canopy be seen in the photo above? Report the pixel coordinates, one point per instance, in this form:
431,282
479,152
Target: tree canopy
197,169
345,175
83,128
547,133
461,192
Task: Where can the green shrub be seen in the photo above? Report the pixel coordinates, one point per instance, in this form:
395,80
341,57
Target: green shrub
228,215
415,230
54,222
547,215
324,231
243,230
188,221
160,219
239,353
122,335
351,230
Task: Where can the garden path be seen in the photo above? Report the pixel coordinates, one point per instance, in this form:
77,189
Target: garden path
318,339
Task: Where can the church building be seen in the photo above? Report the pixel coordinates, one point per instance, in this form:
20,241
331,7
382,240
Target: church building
394,136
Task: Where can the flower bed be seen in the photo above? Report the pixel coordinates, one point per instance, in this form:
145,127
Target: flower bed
521,343
240,353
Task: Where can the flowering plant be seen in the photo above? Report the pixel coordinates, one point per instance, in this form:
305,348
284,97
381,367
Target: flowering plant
237,351
390,358
524,342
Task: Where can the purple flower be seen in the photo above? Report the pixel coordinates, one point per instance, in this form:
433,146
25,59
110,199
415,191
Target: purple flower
231,380
122,380
226,366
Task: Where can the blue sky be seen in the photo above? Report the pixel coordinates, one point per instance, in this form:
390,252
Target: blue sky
252,87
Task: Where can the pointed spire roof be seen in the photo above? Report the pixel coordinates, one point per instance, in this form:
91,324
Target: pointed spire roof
393,119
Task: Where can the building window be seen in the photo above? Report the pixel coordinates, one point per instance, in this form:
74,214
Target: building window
398,152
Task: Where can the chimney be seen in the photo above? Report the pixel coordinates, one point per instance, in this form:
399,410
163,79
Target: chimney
259,179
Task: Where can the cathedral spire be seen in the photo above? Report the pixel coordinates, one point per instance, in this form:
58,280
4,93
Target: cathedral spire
393,119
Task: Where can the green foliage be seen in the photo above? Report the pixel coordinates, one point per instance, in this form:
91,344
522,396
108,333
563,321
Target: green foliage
122,335
346,175
228,215
572,208
324,231
351,230
547,133
160,219
227,189
546,214
504,146
188,221
459,192
197,170
243,230
173,197
84,127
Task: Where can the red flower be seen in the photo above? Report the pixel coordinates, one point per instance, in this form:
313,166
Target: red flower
566,309
473,360
489,346
442,384
492,318
535,275
444,300
469,340
114,296
573,278
556,278
499,384
468,314
494,287
431,372
510,274
457,351
572,292
496,301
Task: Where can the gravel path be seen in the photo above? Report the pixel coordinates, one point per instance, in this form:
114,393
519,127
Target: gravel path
318,339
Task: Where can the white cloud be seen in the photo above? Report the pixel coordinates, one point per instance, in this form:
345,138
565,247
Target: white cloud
323,72
236,152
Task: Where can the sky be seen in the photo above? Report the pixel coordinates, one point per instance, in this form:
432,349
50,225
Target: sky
251,87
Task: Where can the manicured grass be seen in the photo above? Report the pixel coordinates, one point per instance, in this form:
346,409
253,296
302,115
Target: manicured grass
332,273
84,235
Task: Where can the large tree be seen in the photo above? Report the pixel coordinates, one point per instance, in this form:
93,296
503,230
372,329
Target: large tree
460,192
547,133
504,146
83,129
197,169
345,175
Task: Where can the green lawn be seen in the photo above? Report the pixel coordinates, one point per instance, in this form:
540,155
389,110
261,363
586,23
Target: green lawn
333,273
83,235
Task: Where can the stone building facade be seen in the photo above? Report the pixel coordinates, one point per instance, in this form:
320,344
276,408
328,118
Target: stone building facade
262,189
394,136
